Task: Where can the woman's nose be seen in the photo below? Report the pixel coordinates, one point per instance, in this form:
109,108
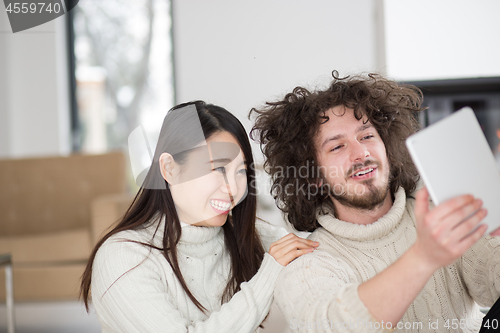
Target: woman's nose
230,185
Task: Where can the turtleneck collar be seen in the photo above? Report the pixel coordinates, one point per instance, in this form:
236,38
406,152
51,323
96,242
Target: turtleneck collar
375,230
190,234
196,235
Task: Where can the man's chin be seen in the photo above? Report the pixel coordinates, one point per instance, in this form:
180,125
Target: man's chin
368,199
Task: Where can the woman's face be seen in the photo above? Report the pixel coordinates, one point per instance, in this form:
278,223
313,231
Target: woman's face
210,183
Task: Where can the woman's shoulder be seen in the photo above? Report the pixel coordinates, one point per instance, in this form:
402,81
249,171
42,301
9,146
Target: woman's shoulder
150,233
130,247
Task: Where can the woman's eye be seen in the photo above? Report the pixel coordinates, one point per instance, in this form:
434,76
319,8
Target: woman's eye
220,169
242,171
367,137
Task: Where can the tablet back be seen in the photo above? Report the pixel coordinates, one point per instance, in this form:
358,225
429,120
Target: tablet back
454,158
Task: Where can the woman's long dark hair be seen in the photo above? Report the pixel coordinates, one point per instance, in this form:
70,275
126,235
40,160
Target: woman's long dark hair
154,203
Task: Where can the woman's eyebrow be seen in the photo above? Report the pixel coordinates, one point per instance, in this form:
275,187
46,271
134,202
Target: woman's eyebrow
226,161
220,160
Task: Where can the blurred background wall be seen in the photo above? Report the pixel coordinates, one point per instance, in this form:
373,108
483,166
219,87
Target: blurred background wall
235,54
238,54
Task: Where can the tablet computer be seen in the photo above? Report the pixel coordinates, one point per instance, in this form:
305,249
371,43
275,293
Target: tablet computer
454,158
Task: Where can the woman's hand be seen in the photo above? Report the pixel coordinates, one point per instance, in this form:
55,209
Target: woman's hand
290,247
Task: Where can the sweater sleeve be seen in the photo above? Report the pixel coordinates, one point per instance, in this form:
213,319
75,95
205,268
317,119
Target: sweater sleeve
130,294
481,270
319,293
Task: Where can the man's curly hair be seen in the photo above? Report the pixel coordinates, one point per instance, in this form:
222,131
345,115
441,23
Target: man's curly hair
286,130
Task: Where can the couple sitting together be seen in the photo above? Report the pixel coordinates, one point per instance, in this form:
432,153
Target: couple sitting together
190,255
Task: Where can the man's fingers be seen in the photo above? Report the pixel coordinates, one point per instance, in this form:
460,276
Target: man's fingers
495,232
470,240
450,206
461,231
421,203
455,218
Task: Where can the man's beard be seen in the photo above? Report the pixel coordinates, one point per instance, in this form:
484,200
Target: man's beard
372,195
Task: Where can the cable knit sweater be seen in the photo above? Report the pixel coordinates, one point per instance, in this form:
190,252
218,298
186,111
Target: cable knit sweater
318,292
134,288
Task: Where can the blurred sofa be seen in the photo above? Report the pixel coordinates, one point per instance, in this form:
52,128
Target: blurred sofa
52,212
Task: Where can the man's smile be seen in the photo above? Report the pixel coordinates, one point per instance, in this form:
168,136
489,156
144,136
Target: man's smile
364,173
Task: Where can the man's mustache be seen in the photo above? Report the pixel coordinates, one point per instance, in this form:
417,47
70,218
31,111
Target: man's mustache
358,166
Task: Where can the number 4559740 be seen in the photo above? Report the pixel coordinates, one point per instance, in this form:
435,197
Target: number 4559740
32,7
455,324
491,324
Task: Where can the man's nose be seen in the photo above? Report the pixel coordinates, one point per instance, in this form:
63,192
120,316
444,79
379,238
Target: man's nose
359,152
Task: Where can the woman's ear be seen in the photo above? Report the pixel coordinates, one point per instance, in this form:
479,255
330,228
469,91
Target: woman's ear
167,167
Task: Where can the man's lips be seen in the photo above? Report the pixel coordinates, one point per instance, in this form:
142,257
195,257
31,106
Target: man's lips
364,173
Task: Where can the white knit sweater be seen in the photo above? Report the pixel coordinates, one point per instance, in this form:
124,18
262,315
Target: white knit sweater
134,289
318,292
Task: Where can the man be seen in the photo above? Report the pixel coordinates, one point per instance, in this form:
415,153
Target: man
386,260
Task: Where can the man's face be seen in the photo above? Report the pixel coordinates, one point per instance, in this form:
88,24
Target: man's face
353,160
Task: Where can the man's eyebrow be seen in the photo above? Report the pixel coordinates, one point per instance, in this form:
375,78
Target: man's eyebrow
364,127
340,136
333,138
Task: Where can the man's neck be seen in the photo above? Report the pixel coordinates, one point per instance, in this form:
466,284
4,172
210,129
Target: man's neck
362,216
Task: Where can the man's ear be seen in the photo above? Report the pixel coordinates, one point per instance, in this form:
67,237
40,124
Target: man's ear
318,183
167,167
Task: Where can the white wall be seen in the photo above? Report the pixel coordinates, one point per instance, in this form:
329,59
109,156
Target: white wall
4,87
34,114
444,39
239,54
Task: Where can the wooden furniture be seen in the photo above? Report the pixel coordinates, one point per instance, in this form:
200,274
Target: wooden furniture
52,212
6,261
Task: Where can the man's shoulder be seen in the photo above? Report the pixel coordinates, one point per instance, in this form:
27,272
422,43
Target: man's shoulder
317,267
321,234
323,256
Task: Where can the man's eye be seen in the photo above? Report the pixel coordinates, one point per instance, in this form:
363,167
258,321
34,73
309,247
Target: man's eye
368,137
336,148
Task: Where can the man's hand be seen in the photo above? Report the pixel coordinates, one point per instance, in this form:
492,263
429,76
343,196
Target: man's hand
495,232
446,232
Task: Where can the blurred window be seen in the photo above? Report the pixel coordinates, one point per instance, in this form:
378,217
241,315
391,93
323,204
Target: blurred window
123,70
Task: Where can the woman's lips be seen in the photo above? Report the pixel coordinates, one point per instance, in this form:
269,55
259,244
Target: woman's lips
220,206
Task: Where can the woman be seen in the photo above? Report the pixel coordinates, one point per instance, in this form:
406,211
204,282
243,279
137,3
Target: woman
186,257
